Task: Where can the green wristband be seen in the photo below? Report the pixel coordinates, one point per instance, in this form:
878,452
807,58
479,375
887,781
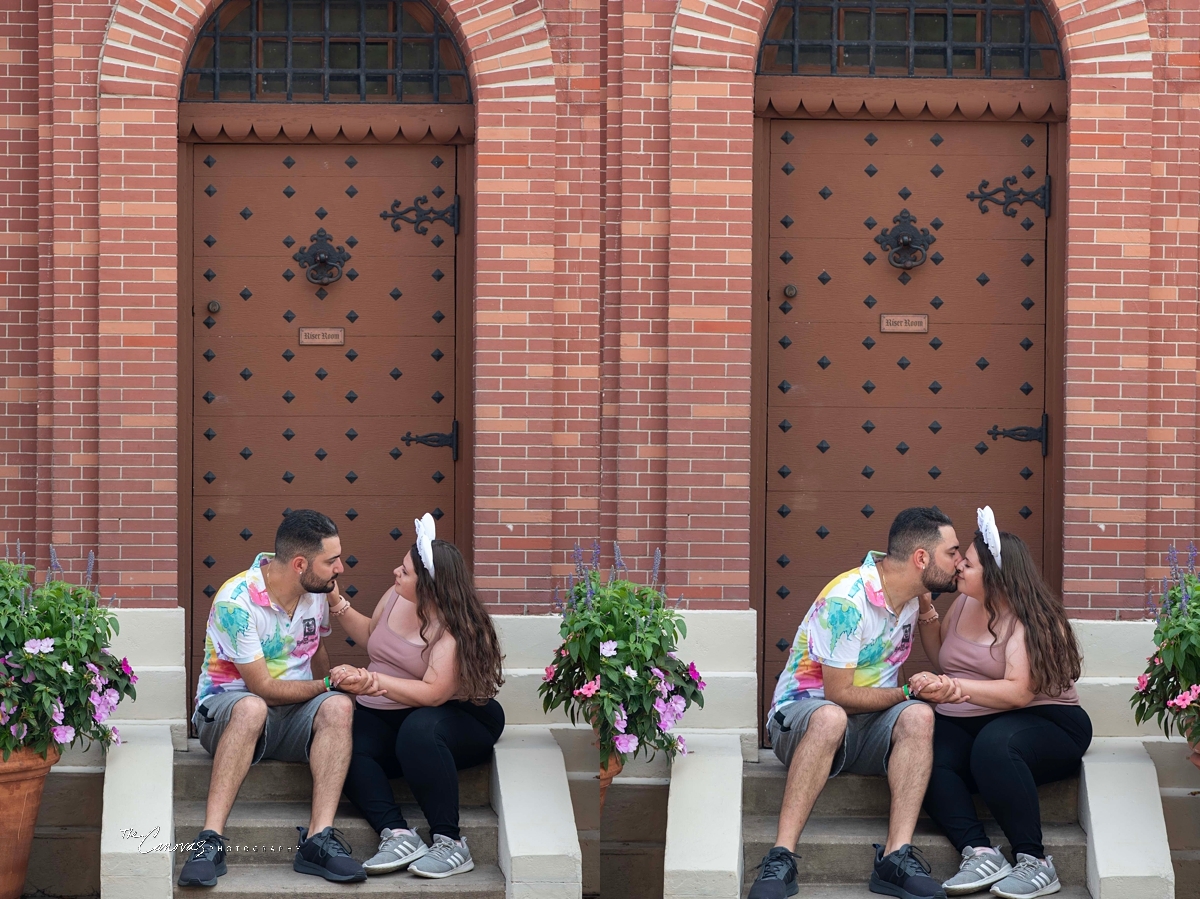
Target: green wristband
328,685
907,691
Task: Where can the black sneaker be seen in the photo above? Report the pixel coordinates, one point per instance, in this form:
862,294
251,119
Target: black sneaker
777,877
327,855
206,862
904,873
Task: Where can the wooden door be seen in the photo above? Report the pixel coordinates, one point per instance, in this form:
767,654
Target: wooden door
304,392
891,387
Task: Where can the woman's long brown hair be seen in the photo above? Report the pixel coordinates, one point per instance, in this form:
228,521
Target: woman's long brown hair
456,606
1054,660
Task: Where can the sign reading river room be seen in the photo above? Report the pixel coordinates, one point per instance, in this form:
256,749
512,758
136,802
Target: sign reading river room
904,324
322,336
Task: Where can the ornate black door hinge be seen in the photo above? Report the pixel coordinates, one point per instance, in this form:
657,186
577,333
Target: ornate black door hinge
1009,195
906,245
434,439
419,216
1026,433
322,261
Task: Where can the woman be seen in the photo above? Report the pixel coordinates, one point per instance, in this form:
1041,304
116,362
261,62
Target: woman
425,706
1009,648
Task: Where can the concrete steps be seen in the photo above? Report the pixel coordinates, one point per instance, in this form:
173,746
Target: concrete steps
850,891
275,798
851,815
1179,789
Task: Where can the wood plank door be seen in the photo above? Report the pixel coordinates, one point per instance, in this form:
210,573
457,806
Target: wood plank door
309,394
887,386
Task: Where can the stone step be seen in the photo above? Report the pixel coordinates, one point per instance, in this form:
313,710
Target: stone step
852,795
838,850
855,891
272,881
264,833
1187,873
272,780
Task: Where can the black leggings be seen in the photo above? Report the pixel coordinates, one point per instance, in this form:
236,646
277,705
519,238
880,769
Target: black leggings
1003,757
426,746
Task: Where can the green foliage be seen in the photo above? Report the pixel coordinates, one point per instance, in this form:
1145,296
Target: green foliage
1169,690
56,671
617,668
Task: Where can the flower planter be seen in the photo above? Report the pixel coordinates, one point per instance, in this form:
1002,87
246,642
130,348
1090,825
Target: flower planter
607,773
22,778
1194,758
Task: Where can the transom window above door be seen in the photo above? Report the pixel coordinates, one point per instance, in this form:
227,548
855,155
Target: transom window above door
374,51
907,38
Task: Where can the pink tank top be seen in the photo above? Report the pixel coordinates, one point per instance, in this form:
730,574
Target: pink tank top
963,658
392,655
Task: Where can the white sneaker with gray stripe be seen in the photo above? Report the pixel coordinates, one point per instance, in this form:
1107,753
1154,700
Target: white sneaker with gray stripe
1029,879
397,848
981,867
445,858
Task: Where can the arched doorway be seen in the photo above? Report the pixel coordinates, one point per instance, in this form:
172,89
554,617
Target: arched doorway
908,285
325,189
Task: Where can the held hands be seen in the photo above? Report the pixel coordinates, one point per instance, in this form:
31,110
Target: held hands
936,688
357,681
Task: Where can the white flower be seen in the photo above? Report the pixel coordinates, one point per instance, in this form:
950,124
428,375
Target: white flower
66,666
629,670
608,648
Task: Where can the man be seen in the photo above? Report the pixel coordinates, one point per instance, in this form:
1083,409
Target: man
838,706
264,693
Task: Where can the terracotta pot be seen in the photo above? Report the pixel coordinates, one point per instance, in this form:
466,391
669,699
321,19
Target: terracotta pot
21,780
1194,758
607,772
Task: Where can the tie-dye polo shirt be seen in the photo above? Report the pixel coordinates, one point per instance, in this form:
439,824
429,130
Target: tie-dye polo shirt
849,626
244,624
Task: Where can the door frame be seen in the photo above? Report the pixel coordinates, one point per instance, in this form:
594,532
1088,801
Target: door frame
808,98
348,124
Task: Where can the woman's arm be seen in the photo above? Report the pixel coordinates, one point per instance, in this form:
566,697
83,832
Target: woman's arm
357,626
1013,691
439,684
932,632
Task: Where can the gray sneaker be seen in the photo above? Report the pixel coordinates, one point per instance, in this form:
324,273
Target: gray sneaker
397,849
445,858
1030,878
980,868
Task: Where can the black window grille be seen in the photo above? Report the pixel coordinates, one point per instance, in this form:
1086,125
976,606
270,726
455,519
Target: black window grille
907,38
381,51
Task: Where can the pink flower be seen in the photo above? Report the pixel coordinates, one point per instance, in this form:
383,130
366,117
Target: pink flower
658,673
590,688
608,648
28,677
626,743
63,734
681,745
125,667
92,668
667,715
116,736
563,653
678,703
37,647
693,671
622,720
1157,660
56,713
19,731
550,669
6,710
1143,682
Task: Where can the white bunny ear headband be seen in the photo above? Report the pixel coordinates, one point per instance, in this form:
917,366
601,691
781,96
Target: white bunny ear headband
426,532
991,535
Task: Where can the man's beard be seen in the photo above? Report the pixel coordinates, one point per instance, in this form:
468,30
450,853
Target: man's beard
935,580
313,584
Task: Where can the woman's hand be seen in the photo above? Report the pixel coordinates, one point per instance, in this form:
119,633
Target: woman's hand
936,688
356,681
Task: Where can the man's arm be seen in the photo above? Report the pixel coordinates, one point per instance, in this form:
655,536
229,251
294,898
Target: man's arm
319,662
276,691
839,688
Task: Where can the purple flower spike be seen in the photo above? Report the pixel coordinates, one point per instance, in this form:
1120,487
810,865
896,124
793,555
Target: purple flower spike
1191,557
617,559
595,555
87,581
657,565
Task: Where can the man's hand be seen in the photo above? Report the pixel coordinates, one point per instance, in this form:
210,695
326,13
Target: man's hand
935,688
357,681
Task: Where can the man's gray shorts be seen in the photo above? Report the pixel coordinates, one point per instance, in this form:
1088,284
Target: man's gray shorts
865,747
286,735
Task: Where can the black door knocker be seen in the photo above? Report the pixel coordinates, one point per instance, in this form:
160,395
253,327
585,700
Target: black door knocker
906,245
322,261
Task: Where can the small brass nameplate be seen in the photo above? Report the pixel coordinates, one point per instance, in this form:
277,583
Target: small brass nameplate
904,324
322,336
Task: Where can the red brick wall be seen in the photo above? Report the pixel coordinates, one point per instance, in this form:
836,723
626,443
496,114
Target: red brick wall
613,287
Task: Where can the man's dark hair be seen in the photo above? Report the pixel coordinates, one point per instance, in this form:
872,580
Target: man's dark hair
301,534
916,528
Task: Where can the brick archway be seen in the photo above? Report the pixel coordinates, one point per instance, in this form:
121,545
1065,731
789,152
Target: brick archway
1107,53
141,61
